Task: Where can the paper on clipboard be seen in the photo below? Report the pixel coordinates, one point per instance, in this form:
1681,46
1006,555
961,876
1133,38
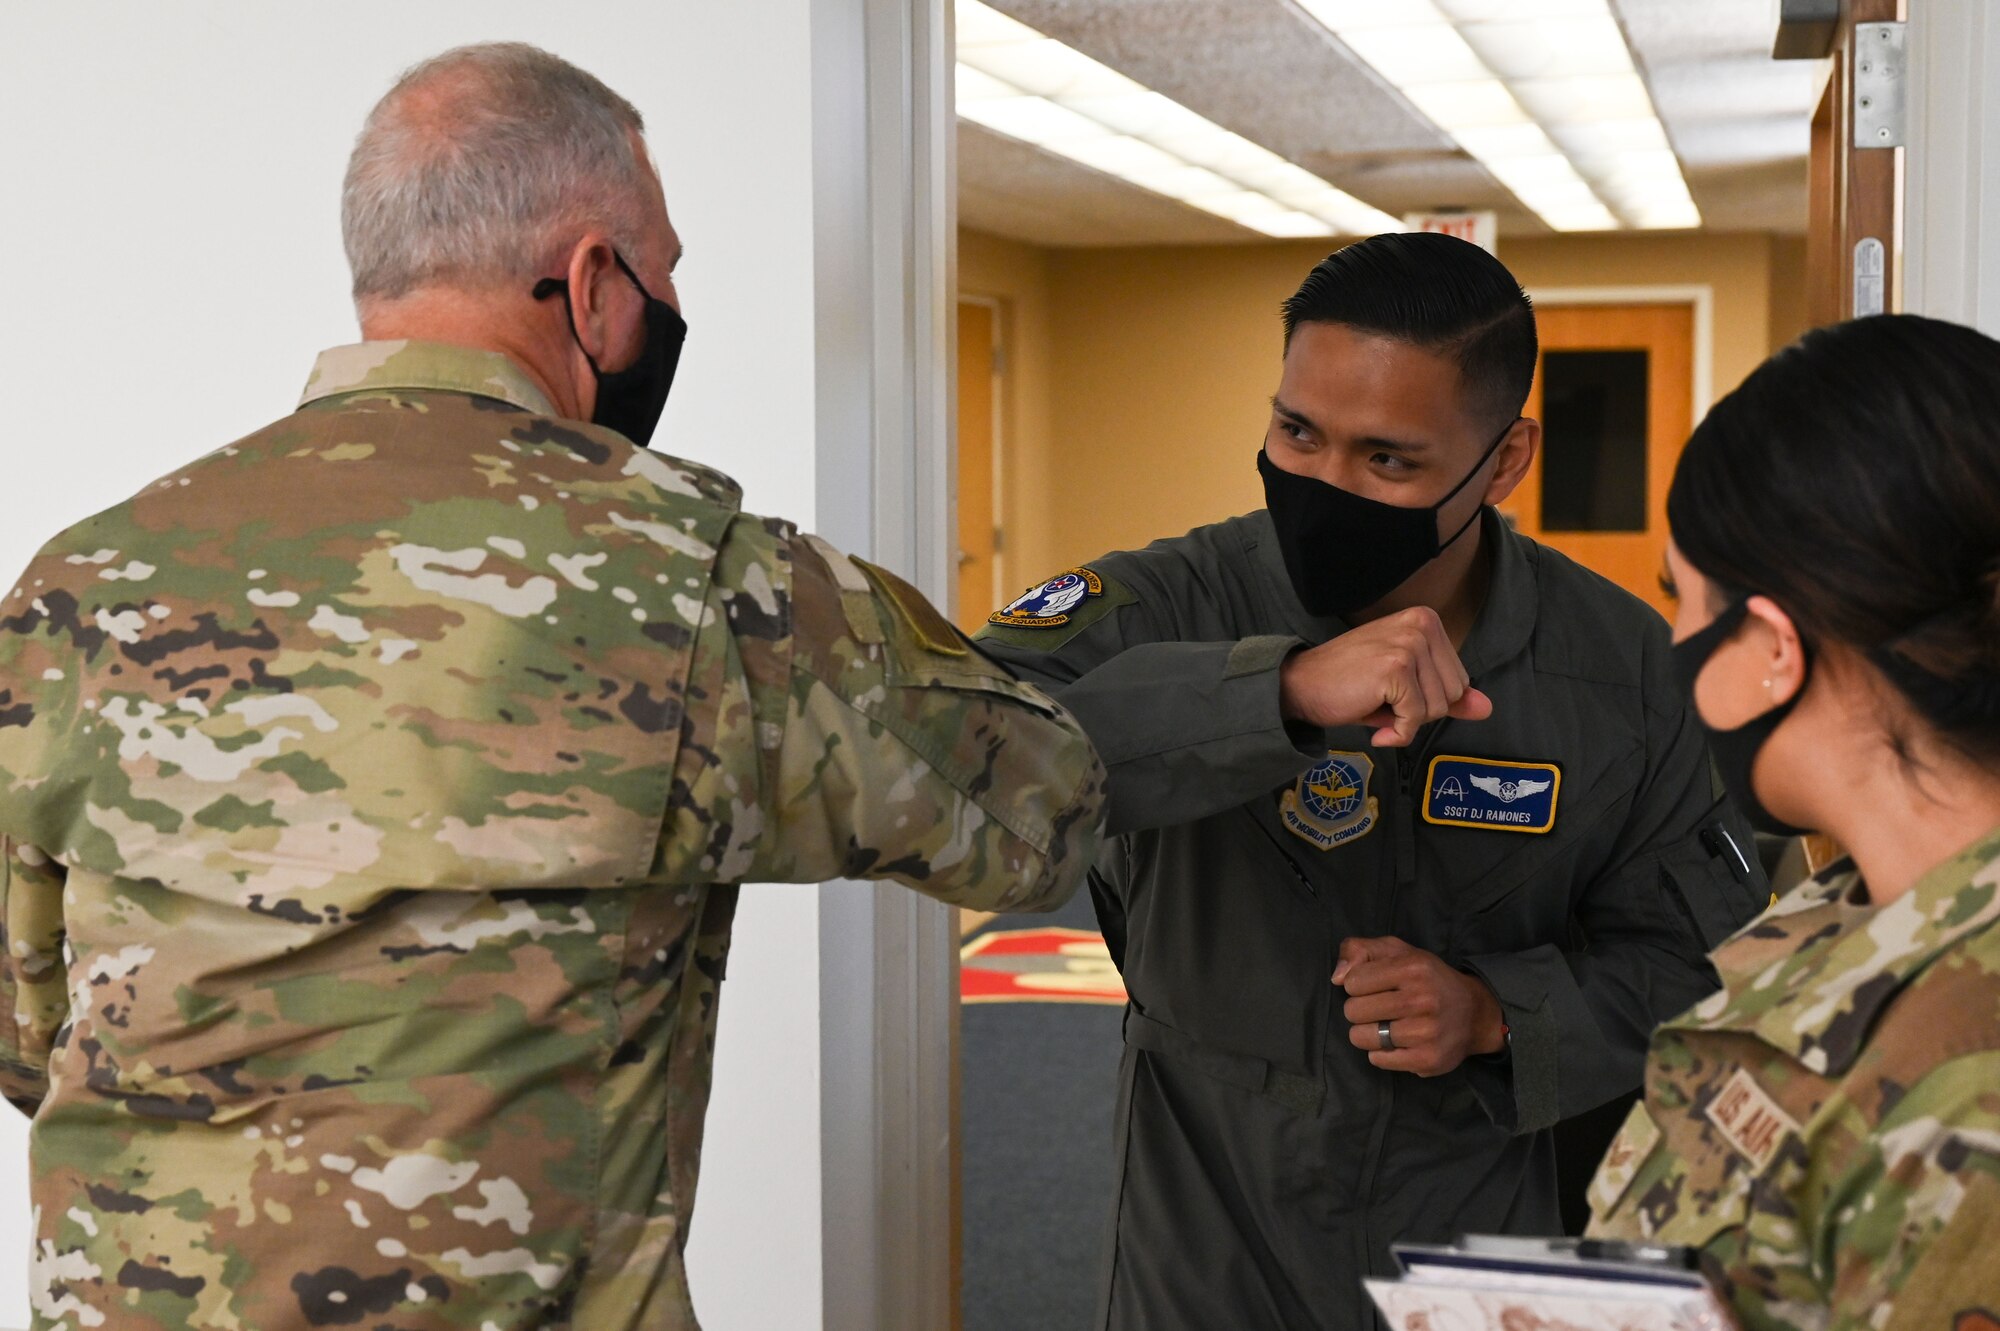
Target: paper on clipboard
1499,1283
1409,1306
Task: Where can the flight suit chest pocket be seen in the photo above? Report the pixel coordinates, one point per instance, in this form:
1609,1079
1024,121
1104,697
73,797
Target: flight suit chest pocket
1487,870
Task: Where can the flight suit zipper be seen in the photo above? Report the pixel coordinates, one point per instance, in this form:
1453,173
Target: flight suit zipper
1407,768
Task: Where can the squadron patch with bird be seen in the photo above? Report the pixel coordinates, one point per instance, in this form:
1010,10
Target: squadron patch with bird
1048,615
1492,794
1331,804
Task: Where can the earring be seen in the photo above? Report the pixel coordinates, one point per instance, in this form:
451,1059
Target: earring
1767,686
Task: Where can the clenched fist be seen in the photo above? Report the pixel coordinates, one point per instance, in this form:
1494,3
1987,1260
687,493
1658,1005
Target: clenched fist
1397,673
1437,1016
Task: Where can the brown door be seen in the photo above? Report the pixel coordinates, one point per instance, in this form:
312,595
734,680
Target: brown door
977,346
1614,391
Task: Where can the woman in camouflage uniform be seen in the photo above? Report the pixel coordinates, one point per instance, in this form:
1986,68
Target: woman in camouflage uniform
1826,1129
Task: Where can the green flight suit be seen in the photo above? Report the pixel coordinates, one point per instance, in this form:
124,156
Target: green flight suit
1265,1164
373,796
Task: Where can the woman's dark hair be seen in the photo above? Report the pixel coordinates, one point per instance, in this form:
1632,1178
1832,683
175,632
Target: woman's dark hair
1854,479
1432,291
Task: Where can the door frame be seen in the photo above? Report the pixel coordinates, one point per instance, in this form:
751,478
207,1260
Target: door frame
884,180
998,309
1699,295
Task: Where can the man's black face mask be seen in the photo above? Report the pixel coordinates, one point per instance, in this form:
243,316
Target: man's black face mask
1345,551
630,400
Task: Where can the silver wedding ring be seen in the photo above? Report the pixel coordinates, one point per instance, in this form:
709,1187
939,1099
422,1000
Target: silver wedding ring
1382,1036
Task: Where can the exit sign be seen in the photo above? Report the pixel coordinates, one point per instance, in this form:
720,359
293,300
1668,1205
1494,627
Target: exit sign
1482,229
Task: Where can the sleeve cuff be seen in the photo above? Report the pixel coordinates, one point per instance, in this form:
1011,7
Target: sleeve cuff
1521,1092
1263,656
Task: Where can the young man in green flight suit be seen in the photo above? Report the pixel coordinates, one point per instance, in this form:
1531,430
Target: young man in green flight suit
1416,841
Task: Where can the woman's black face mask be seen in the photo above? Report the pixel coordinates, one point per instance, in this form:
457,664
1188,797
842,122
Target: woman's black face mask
630,400
1735,751
1345,551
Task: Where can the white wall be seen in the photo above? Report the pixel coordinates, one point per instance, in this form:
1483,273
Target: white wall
169,184
1951,249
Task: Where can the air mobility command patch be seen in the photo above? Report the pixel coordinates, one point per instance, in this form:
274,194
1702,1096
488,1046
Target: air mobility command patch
1494,794
1047,616
1331,804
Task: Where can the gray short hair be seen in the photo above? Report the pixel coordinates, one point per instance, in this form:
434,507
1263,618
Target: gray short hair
480,164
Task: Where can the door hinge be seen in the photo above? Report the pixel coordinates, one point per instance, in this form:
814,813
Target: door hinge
1881,85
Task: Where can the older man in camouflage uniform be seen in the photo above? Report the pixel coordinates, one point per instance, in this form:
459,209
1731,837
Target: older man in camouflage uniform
372,790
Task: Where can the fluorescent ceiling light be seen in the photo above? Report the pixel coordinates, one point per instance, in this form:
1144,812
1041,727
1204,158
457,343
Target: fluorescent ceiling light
1542,92
1016,82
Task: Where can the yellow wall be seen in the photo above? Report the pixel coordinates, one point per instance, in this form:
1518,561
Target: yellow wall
1788,289
1138,379
1017,276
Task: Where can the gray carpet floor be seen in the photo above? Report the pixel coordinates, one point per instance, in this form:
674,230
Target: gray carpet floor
1039,1083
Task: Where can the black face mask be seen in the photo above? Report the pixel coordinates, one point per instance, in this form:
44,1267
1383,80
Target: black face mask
1735,751
1345,551
630,400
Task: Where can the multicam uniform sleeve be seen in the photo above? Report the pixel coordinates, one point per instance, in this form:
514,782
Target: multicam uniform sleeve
34,999
849,731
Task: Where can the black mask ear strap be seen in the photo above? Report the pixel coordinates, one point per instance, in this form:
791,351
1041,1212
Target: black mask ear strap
1702,645
559,286
1699,647
1491,449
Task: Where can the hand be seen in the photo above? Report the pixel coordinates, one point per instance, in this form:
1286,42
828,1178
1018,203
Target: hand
1437,1016
1397,673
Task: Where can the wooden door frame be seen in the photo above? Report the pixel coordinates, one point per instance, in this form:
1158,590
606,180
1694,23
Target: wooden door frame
1701,296
998,306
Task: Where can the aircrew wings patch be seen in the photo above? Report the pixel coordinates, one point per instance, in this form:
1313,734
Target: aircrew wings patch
1493,794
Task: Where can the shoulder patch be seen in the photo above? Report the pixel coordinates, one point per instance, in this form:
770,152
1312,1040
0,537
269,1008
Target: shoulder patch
1052,604
925,622
1048,615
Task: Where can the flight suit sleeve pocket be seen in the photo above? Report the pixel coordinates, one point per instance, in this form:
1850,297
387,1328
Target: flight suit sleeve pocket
1706,899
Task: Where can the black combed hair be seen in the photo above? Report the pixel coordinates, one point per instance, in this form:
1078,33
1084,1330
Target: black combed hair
1854,478
1436,292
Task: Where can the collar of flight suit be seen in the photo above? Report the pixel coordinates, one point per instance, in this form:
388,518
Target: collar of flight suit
425,366
1502,629
1810,975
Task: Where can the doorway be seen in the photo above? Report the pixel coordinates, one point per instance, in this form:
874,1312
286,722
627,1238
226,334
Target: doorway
1615,389
979,366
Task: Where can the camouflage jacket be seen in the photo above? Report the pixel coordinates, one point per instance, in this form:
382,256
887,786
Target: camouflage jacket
371,795
1826,1128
